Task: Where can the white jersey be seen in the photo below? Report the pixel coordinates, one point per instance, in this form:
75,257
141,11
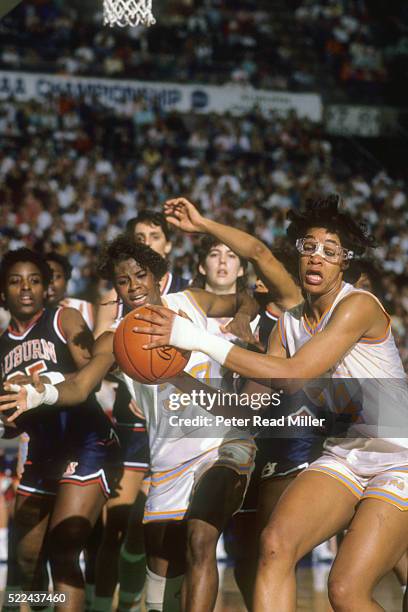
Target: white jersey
84,307
371,373
171,442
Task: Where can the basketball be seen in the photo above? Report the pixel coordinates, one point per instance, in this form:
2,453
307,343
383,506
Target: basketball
145,366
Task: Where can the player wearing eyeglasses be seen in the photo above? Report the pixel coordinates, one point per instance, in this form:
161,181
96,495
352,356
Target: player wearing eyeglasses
360,482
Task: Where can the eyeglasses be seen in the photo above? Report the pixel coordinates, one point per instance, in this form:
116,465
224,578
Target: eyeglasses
332,253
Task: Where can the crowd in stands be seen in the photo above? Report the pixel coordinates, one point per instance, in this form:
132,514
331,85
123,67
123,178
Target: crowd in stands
300,45
73,172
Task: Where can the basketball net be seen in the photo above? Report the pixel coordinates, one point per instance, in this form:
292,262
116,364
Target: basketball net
128,13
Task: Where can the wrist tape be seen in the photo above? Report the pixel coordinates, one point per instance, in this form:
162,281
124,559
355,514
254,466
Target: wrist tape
35,398
185,335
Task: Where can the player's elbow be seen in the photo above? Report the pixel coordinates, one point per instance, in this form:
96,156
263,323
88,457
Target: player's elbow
258,251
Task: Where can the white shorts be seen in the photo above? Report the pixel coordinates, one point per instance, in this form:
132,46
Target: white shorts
389,485
171,491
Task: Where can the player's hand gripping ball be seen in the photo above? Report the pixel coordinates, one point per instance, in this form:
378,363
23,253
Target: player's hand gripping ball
144,365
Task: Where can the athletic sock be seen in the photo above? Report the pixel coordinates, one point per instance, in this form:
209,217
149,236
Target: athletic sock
130,602
155,586
172,594
132,577
89,595
102,604
163,593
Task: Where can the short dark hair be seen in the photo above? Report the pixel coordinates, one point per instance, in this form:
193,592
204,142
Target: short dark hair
124,247
150,218
207,243
62,261
22,255
327,213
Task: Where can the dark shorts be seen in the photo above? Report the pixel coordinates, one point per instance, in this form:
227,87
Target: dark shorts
93,462
279,458
134,446
282,457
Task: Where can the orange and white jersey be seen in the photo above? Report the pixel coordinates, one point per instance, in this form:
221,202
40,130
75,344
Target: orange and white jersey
84,307
172,442
371,373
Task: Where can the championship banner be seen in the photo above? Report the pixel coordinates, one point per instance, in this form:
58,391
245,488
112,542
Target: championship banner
118,93
7,5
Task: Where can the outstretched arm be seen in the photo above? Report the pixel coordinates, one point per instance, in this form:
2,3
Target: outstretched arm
226,305
68,393
355,317
181,213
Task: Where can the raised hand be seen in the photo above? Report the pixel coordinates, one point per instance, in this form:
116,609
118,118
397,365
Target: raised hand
181,213
240,327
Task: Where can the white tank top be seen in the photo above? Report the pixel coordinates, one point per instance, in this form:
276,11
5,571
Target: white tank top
383,398
170,444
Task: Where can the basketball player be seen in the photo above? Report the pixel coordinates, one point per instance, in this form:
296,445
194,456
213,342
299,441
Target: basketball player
121,537
65,479
150,228
57,291
360,482
217,468
278,460
61,273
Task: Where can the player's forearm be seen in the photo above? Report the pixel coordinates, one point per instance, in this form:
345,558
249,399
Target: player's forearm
273,273
187,336
70,393
240,242
247,305
262,367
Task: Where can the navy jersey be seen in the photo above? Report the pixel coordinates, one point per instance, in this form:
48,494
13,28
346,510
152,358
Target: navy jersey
40,348
174,284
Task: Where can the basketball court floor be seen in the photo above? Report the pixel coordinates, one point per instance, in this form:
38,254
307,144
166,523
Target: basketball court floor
312,594
312,591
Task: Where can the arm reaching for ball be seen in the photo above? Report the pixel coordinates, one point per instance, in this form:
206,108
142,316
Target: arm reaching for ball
355,317
68,393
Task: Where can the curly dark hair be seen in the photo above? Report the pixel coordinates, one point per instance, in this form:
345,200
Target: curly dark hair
62,261
124,247
208,242
328,213
22,255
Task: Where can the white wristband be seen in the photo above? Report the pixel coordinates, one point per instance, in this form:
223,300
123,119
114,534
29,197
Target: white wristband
185,335
2,429
35,398
54,377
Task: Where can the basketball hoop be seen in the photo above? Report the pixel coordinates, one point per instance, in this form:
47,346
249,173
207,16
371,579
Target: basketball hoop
127,13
